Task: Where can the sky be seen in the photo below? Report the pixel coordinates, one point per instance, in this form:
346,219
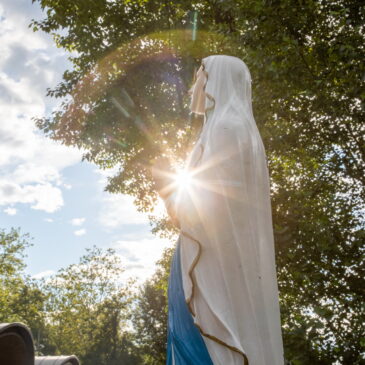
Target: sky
45,188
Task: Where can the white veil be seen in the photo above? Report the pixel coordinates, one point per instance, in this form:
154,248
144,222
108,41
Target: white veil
227,244
228,88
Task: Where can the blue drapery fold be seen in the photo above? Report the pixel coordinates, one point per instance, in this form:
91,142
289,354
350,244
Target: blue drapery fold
185,344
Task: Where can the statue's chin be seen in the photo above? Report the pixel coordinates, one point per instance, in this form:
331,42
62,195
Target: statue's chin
198,112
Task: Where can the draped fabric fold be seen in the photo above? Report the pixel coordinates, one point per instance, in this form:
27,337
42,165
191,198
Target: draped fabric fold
226,244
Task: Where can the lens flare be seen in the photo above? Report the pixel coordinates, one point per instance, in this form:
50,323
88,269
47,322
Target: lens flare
183,179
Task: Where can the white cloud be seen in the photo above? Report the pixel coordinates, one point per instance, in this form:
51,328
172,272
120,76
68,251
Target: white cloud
10,211
25,52
139,256
43,196
30,172
80,232
104,174
49,220
31,164
77,221
43,274
117,210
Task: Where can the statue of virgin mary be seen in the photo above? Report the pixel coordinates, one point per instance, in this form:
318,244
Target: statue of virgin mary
223,303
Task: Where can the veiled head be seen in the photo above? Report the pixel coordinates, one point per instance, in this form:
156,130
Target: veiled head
223,82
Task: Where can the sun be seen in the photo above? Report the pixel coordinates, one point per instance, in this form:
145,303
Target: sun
183,179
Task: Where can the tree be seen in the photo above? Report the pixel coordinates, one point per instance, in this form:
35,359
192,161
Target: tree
126,100
87,310
21,299
149,316
81,310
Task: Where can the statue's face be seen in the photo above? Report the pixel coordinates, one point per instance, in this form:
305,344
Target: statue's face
197,104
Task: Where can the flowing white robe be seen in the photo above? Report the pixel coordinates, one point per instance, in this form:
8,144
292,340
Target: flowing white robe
227,244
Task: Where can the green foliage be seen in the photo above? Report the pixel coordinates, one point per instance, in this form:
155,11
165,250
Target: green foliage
87,310
81,310
149,317
306,61
21,299
12,247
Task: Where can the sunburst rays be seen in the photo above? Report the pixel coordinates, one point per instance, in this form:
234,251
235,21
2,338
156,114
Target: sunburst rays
209,176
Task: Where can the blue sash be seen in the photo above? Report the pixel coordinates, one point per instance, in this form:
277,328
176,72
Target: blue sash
185,344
